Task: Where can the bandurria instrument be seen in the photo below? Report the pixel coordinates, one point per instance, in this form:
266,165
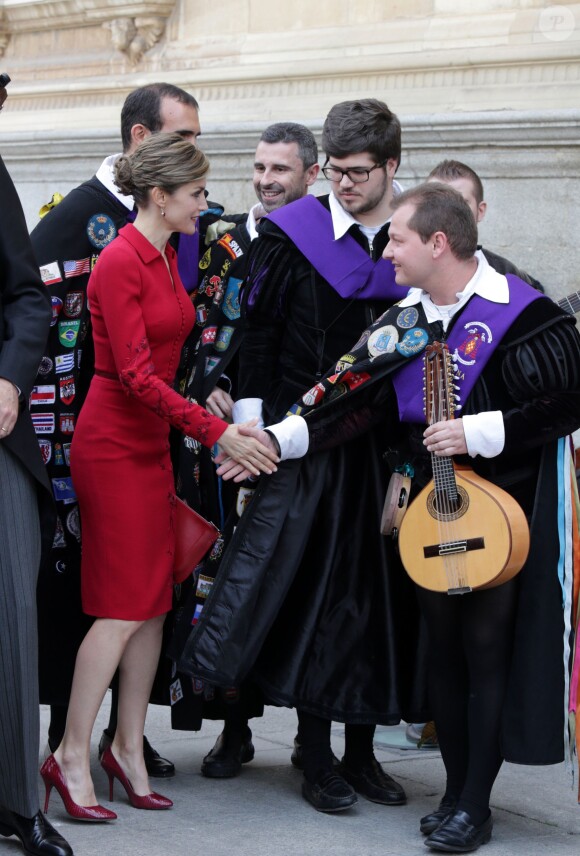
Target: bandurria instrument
461,532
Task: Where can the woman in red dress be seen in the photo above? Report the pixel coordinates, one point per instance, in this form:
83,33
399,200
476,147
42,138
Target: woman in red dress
122,472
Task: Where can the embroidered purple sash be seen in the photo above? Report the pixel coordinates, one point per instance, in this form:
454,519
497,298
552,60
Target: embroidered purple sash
343,264
476,333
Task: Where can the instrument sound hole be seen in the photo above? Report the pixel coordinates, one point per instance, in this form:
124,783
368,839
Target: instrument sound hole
441,506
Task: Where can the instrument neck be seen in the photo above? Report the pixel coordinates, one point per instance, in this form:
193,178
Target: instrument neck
444,476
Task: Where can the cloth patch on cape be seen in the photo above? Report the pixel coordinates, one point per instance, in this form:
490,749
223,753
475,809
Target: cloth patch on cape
101,230
231,301
382,341
50,273
175,691
413,342
57,305
407,318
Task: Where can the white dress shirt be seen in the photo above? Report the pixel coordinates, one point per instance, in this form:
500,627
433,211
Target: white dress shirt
484,432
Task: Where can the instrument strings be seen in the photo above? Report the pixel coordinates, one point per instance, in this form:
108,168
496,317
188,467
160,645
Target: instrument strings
447,498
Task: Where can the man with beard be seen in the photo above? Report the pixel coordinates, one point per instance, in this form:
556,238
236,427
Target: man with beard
285,166
503,662
316,276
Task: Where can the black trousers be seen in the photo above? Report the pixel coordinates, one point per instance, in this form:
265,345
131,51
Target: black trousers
470,646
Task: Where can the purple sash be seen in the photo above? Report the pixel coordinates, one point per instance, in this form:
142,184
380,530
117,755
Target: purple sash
477,331
343,264
188,260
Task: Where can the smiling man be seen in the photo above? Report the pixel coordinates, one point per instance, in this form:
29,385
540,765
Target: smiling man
316,277
499,662
285,166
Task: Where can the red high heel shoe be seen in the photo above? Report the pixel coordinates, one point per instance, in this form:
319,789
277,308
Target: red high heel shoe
113,770
53,778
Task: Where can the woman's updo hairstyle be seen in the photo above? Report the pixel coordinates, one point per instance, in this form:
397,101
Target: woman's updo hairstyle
161,160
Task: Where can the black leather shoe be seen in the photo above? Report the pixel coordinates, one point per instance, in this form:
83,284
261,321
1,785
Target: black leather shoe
37,836
458,834
373,783
297,760
430,822
329,793
157,767
225,760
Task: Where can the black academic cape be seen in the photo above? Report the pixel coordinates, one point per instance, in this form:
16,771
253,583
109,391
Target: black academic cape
261,618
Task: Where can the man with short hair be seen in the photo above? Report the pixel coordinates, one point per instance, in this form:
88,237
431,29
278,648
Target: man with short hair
337,649
302,302
67,243
498,656
285,166
466,181
498,652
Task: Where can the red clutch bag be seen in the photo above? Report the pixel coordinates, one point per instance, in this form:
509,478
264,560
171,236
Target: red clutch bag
194,535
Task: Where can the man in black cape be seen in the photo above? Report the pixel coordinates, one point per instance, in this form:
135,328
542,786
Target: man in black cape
316,277
285,166
496,657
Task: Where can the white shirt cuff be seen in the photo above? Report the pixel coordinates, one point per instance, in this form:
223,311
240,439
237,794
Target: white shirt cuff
246,409
484,433
292,436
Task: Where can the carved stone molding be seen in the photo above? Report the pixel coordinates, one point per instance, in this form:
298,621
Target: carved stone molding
135,36
30,15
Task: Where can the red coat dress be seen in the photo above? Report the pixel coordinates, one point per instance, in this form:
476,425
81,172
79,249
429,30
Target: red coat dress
120,460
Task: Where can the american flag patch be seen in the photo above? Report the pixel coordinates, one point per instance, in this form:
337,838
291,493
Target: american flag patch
76,268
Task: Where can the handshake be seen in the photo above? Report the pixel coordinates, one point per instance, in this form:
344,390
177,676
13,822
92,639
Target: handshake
246,451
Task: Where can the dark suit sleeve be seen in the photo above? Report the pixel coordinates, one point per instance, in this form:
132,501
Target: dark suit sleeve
25,315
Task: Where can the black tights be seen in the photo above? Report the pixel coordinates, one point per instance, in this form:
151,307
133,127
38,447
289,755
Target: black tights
470,646
314,737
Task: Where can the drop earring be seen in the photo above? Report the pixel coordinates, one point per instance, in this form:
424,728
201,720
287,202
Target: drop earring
163,212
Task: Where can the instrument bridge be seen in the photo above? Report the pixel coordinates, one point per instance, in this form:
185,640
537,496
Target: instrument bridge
451,548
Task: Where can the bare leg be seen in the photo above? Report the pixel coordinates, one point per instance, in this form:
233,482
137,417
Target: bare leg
136,674
96,663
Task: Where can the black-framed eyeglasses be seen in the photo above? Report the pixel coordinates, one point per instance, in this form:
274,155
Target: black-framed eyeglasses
356,174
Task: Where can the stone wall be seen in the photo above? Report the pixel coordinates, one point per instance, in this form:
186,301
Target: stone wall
490,82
